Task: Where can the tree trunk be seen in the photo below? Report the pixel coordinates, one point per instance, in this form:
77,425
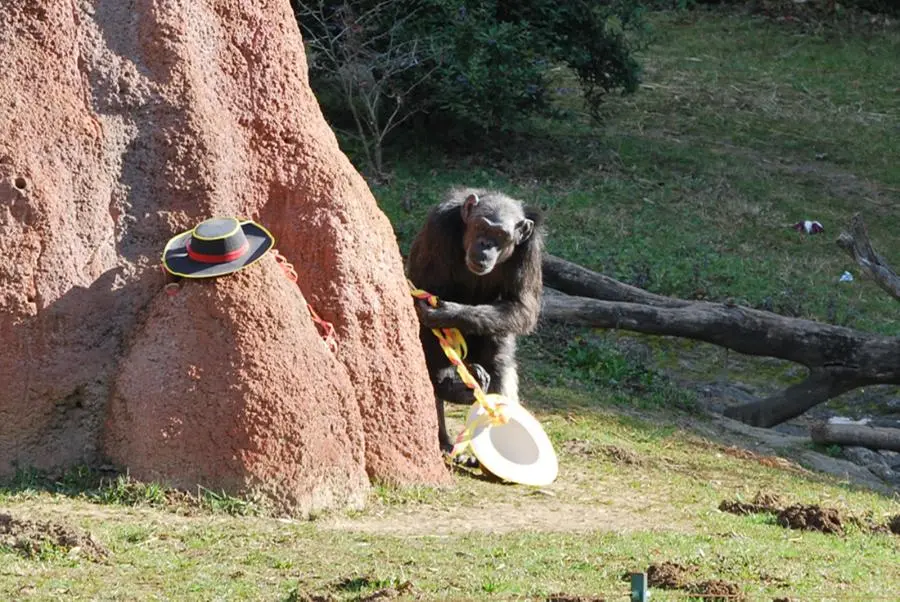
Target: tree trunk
839,359
856,243
818,387
573,279
872,437
749,331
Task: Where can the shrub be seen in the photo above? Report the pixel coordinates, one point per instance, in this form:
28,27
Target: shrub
888,7
473,68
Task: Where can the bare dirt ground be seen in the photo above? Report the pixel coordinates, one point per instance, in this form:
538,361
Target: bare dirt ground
578,501
581,500
506,517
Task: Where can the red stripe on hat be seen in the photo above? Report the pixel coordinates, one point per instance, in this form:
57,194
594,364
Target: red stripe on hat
224,258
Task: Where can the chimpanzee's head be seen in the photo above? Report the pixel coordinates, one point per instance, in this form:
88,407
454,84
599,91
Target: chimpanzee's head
495,225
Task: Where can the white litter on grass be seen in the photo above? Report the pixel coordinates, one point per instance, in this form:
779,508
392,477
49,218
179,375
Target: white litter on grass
809,227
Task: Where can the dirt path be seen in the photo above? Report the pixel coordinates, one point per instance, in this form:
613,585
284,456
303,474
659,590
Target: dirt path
619,516
582,499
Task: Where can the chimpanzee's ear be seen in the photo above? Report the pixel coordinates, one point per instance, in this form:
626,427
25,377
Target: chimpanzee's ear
524,230
468,204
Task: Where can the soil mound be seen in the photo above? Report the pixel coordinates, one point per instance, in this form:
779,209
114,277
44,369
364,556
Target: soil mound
388,593
669,575
297,596
144,133
762,503
717,590
228,384
811,518
33,539
589,449
894,524
622,455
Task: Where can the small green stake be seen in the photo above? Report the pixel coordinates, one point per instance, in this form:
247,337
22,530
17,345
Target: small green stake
639,591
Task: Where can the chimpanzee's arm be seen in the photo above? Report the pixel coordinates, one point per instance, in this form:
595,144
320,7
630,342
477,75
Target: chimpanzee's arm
437,253
503,317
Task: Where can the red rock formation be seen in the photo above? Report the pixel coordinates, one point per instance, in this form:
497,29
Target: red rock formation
124,123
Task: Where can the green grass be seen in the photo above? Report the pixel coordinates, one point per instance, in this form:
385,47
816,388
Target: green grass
660,503
742,127
85,483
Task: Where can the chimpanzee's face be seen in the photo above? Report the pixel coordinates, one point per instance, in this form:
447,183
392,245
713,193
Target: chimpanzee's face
494,226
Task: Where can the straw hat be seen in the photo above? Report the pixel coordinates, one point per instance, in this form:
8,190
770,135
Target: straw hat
215,247
518,451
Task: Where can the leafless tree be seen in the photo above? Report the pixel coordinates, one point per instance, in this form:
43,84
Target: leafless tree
374,68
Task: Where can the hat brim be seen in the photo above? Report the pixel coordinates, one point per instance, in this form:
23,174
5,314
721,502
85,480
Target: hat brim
518,451
177,262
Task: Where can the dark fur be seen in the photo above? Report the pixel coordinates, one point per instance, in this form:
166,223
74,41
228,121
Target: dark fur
490,310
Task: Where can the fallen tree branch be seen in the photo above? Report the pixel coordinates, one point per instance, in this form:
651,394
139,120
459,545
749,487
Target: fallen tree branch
573,279
857,244
745,330
819,386
872,437
839,358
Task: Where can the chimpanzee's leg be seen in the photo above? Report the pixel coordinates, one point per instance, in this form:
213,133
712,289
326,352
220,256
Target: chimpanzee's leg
498,356
447,384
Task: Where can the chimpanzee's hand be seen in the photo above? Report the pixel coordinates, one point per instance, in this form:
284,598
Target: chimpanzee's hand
441,316
422,308
467,460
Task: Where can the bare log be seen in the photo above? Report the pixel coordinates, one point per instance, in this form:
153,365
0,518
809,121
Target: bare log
745,330
818,387
839,358
860,435
857,244
573,279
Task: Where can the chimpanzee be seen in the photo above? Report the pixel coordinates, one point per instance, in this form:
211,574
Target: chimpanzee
480,253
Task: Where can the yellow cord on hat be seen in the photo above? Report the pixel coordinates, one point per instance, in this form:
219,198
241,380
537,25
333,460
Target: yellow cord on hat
454,345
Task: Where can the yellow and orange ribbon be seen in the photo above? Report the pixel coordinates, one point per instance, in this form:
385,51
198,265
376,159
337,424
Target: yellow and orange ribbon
454,345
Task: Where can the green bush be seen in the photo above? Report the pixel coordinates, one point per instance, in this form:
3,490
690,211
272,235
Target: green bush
501,56
462,67
887,7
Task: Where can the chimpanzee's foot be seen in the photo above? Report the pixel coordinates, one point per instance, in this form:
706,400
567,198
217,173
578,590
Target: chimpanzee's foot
464,460
481,375
467,460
